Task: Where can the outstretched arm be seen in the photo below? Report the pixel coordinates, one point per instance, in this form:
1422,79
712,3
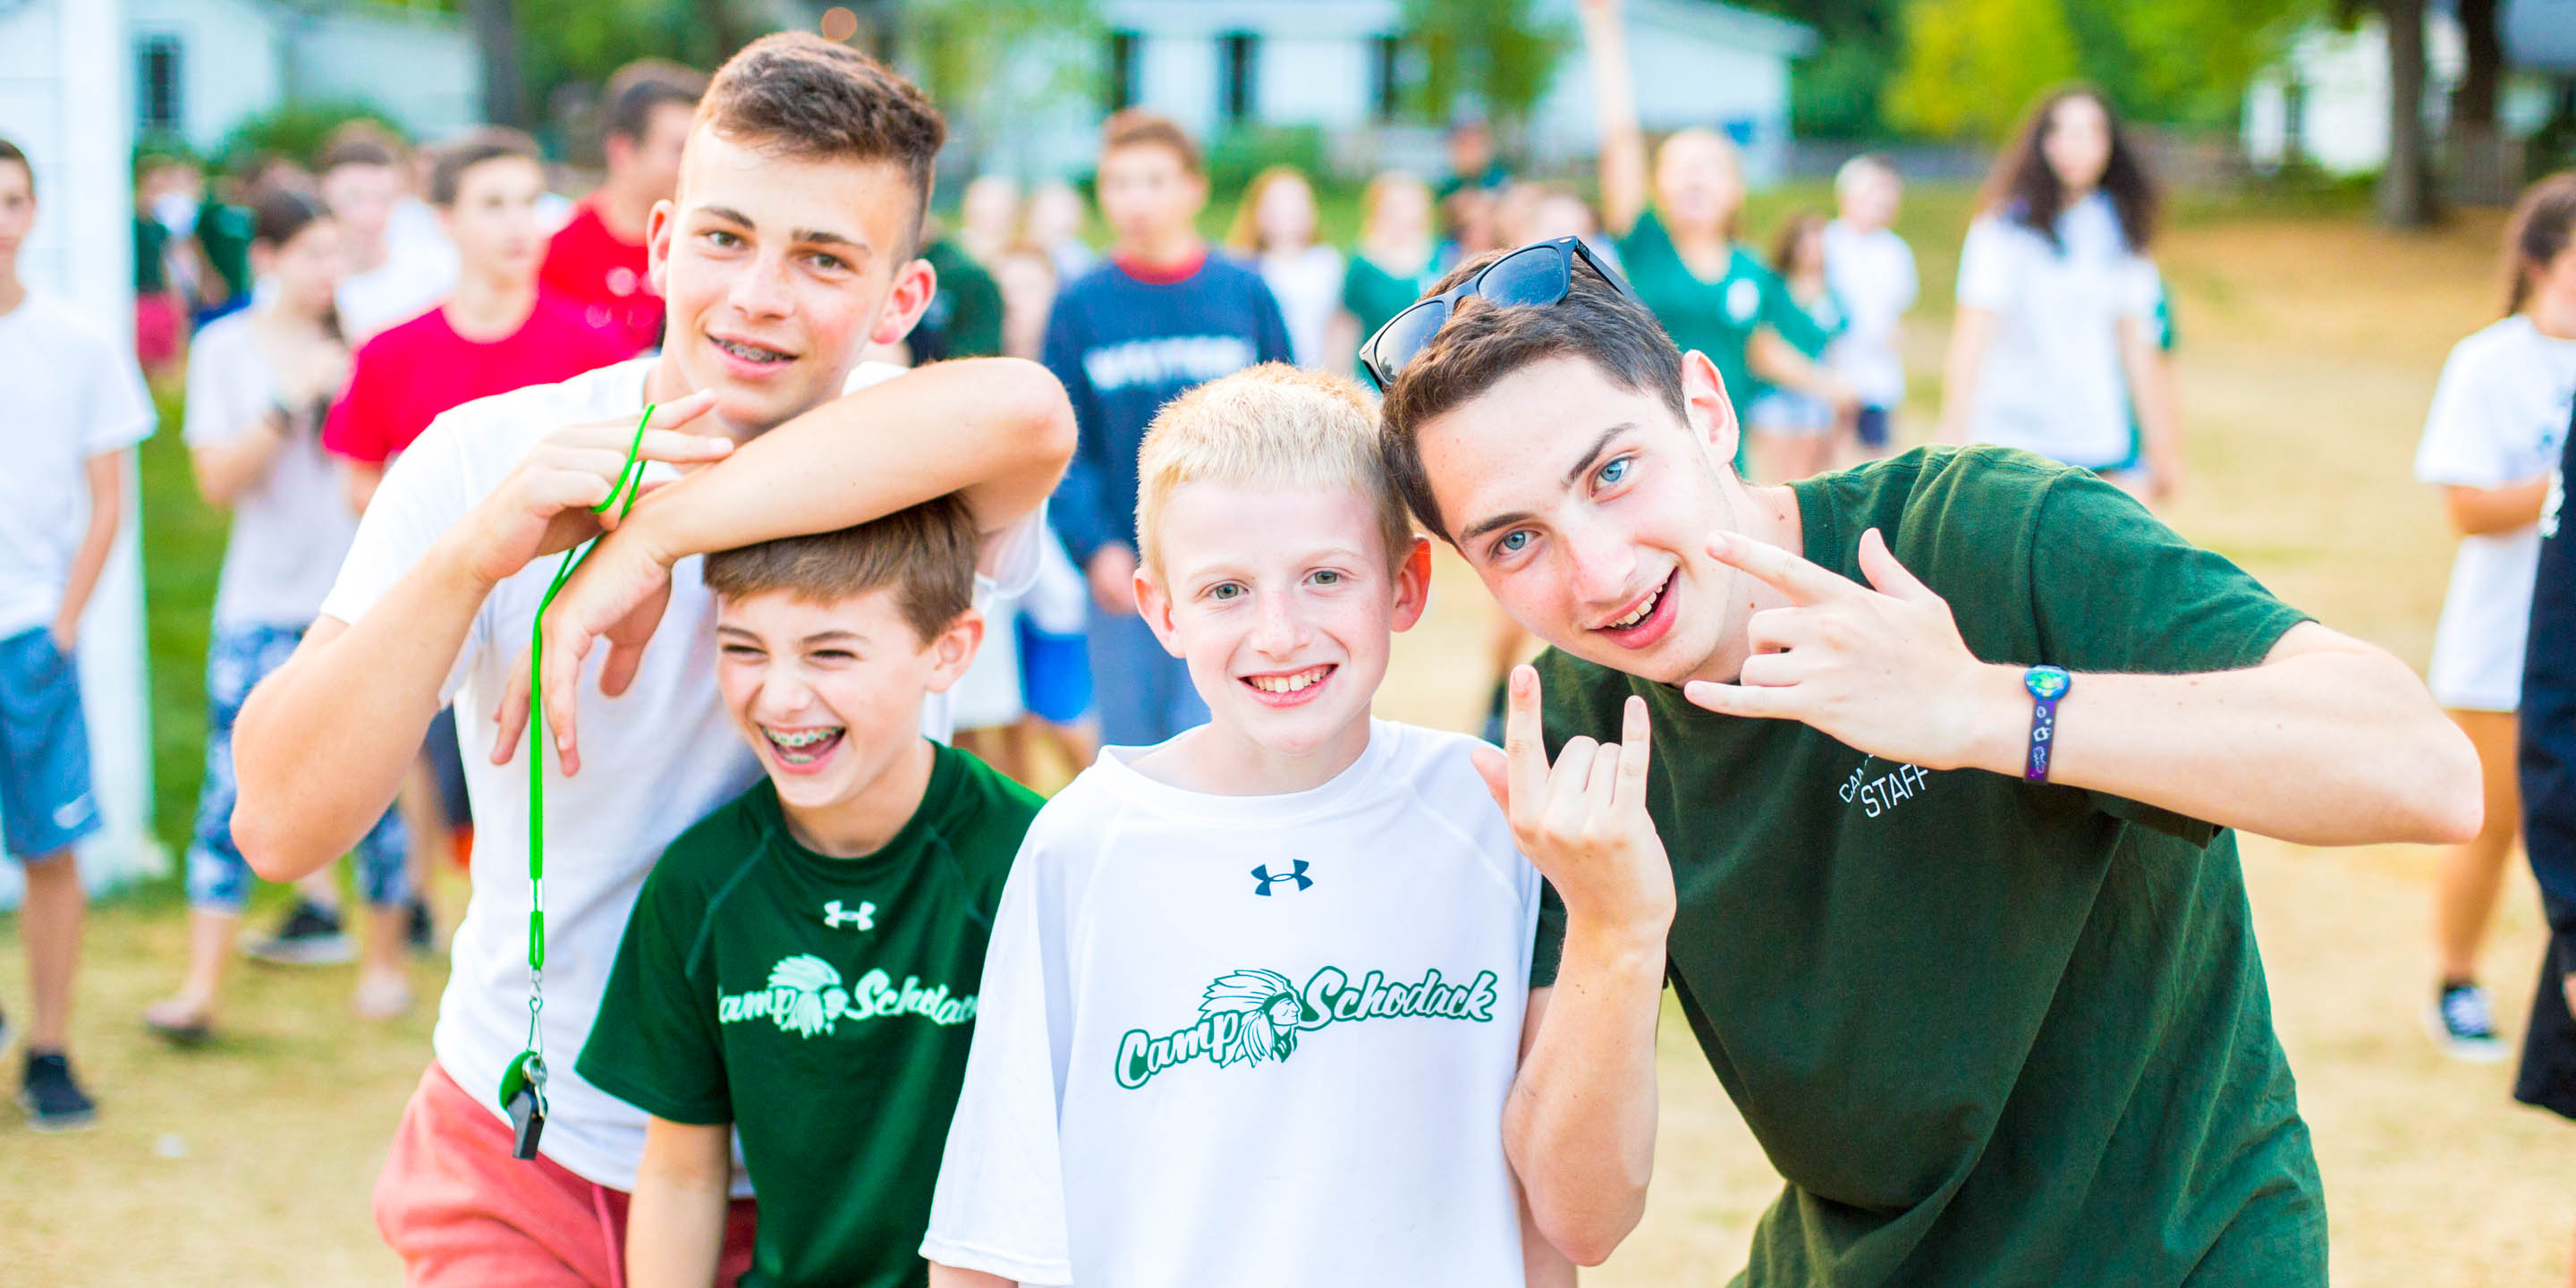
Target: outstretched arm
1614,106
105,474
2326,741
995,431
1579,1126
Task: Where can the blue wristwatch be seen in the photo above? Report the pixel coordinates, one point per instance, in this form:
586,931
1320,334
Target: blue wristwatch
2046,684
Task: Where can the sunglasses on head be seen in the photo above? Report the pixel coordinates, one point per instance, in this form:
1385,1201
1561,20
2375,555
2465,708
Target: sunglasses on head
1539,273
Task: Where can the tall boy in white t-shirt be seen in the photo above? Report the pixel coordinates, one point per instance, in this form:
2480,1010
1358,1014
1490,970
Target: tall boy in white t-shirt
1255,996
74,405
789,248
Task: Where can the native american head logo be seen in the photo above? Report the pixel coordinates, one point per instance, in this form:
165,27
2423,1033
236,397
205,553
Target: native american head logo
1267,1011
805,995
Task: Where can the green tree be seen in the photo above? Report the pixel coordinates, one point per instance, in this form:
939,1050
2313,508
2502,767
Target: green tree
991,62
1972,66
2189,61
1497,52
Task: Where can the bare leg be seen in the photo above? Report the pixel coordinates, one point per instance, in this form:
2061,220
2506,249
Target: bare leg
50,920
210,946
384,976
2465,895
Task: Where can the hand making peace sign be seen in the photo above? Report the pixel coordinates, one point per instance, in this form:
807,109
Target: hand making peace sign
1879,667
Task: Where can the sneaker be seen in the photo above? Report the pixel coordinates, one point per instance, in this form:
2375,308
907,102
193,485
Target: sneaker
2463,1027
52,1100
310,936
421,931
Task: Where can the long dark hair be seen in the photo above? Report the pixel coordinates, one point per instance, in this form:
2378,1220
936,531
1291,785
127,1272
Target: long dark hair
2544,221
278,215
2023,188
1784,243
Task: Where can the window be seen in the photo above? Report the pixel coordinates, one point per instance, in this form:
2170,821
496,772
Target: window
156,83
1387,93
1122,69
1238,73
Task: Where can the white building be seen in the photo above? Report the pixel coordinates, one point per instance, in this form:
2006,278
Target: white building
65,92
1338,65
201,67
2326,100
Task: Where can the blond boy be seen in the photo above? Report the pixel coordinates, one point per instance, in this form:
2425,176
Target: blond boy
1256,994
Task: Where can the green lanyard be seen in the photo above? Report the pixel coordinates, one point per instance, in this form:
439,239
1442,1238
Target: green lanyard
523,1084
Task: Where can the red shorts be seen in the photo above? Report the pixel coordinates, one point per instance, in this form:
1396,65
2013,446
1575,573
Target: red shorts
462,1213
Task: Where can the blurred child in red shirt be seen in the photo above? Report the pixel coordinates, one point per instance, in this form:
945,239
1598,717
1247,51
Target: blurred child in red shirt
597,259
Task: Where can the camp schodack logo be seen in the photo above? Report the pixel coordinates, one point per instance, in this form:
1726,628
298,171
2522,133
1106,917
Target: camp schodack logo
1248,1017
805,997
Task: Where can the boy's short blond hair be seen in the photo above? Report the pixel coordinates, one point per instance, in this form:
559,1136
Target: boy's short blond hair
1274,426
926,553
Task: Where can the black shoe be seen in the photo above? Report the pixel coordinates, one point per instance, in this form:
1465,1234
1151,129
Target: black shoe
310,936
421,933
52,1100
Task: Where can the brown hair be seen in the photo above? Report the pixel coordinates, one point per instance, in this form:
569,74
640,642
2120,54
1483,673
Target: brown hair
634,90
490,143
9,153
1784,243
2024,188
795,94
358,142
1482,343
1136,127
926,552
2543,222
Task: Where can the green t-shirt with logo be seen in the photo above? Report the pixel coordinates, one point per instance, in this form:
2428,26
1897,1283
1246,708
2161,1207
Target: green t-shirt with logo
1991,1033
1718,317
822,1006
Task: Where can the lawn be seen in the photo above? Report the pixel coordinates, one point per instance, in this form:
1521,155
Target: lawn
2310,346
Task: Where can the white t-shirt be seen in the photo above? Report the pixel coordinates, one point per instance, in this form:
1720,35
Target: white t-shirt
1250,1040
654,760
1872,274
2499,416
291,525
67,393
1308,286
2052,381
419,270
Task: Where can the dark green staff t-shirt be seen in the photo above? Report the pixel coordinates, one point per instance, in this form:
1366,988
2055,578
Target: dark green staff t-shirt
822,1006
1991,1033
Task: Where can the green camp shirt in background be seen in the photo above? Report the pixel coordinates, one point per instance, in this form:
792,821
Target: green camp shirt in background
1717,318
1991,1033
1375,296
964,319
823,1006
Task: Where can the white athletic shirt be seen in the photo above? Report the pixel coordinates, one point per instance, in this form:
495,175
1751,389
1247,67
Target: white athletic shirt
1872,275
67,393
2499,416
654,760
1308,286
2052,382
291,525
1258,1041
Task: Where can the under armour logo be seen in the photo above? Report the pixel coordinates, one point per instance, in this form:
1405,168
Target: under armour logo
864,916
1296,872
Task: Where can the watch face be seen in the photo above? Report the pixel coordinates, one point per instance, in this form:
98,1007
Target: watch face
2047,682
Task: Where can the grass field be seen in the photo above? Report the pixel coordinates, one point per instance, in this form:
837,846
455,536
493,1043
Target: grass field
2310,347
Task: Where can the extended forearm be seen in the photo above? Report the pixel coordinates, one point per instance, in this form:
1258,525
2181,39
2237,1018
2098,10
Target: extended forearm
1580,1124
226,469
323,744
1614,106
2335,745
996,430
1776,360
2486,511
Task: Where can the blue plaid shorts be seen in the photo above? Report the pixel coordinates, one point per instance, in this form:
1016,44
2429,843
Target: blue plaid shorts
219,879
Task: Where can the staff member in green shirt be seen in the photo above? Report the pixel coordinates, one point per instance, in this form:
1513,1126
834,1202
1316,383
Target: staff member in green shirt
1711,294
1962,933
